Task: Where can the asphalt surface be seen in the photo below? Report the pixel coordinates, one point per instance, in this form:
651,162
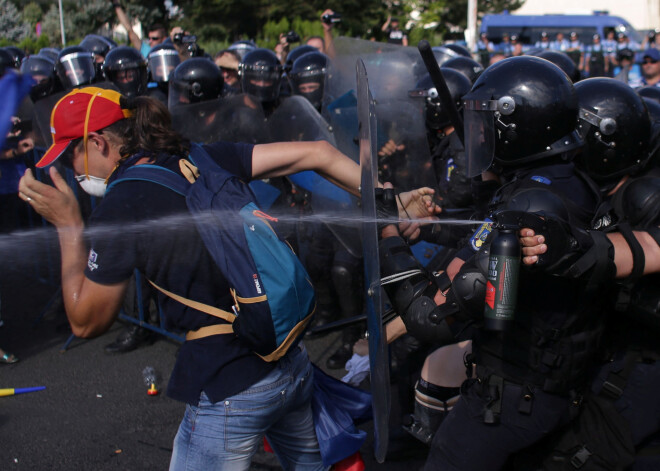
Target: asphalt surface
95,413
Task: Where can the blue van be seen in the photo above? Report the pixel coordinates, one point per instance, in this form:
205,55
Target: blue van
528,28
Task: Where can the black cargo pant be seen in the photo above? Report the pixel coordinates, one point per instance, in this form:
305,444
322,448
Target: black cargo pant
519,415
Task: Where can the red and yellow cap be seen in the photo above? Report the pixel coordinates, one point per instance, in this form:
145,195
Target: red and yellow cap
79,112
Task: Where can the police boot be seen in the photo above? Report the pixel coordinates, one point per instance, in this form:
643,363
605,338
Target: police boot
326,307
129,339
432,404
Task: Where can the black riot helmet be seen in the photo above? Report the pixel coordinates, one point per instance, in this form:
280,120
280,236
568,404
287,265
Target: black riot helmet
616,127
261,73
520,110
50,52
6,62
295,53
654,109
651,92
42,69
162,60
561,60
437,116
465,65
458,49
125,67
17,54
448,51
97,45
242,47
308,77
194,80
75,67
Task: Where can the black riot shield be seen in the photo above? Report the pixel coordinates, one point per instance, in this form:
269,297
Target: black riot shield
235,119
378,352
404,157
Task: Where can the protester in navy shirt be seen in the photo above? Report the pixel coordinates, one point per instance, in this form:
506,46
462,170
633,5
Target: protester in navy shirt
233,397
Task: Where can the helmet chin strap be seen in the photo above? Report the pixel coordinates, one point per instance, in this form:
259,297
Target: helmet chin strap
85,131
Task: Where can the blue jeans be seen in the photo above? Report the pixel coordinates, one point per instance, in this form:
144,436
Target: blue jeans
226,435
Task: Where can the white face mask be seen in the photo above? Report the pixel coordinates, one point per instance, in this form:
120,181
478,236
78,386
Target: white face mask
93,186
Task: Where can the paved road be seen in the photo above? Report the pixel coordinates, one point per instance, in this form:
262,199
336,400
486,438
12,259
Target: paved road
95,413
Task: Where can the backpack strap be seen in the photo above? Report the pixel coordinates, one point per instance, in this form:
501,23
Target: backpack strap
155,174
211,310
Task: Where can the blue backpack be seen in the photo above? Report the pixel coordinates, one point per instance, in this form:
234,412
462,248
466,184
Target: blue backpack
274,298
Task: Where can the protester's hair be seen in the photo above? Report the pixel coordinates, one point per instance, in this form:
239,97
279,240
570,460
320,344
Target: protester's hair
158,26
316,37
232,53
149,130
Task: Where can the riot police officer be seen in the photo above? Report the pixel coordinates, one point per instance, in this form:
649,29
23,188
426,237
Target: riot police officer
99,46
261,75
616,127
161,62
75,67
307,76
125,67
520,116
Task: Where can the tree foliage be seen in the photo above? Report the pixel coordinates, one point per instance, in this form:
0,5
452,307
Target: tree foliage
12,26
224,21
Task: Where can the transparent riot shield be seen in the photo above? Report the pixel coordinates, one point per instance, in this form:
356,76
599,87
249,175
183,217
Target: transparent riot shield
378,352
41,118
403,153
296,119
235,119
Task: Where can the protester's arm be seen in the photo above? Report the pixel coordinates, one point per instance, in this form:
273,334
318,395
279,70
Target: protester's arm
90,307
285,158
386,24
327,35
125,21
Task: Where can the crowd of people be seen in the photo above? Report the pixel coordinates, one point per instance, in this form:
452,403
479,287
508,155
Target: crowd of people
557,142
612,56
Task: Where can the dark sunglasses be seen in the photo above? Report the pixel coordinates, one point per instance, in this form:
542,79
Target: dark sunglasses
154,38
649,61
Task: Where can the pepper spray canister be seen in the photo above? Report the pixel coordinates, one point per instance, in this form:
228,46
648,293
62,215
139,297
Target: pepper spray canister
502,284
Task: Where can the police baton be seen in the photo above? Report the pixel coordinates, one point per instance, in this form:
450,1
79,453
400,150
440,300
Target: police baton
441,87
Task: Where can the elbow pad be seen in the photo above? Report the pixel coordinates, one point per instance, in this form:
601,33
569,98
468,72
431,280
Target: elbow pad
411,289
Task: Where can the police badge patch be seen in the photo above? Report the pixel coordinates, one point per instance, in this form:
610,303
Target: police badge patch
480,236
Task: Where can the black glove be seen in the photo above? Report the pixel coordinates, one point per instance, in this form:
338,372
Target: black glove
386,208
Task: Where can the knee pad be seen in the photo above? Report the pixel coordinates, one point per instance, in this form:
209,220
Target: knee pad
432,404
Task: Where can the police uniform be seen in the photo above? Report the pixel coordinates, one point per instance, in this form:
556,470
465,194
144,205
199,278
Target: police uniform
528,379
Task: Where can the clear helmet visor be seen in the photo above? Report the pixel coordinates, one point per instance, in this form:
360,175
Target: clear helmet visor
76,69
479,131
479,117
162,64
181,93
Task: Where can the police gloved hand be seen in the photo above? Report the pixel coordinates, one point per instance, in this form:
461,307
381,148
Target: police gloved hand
567,250
386,208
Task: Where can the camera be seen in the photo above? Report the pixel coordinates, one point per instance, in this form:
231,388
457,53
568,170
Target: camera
292,37
181,38
330,19
189,43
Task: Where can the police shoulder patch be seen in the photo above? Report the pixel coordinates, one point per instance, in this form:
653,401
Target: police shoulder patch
480,236
544,180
